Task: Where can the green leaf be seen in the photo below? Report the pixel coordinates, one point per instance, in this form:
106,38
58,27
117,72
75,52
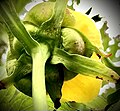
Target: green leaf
54,80
114,97
11,99
114,107
17,69
99,103
114,47
6,94
12,21
105,36
65,107
25,103
84,65
73,106
10,66
25,84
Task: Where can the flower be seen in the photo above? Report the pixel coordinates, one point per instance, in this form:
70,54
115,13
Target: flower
82,88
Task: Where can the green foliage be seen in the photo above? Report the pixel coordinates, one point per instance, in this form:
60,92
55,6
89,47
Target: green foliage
99,103
112,47
34,49
10,98
113,98
114,107
82,65
70,106
39,68
105,36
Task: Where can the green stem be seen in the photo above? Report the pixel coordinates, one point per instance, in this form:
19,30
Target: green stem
39,52
38,79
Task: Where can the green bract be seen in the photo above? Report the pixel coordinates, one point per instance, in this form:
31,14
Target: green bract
72,41
36,16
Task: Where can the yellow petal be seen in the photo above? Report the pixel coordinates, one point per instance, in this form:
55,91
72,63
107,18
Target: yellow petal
84,24
80,89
